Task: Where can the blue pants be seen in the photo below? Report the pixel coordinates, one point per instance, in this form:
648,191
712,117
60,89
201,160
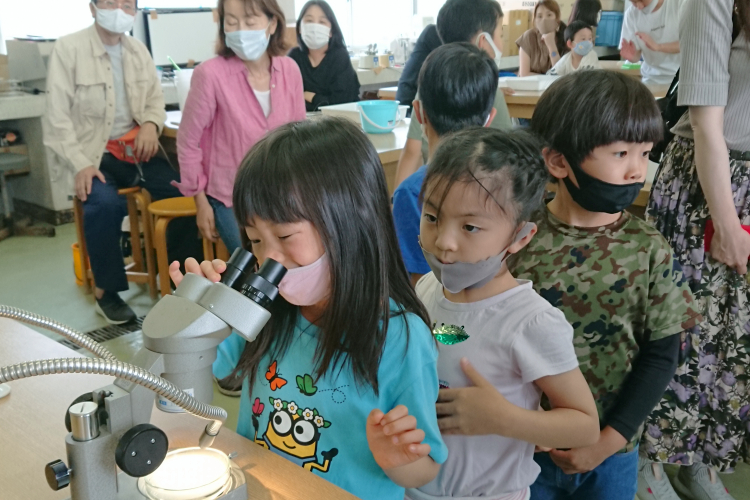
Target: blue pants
615,479
226,224
104,210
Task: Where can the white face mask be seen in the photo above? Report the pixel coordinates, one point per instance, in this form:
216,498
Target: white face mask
114,20
248,45
498,52
315,36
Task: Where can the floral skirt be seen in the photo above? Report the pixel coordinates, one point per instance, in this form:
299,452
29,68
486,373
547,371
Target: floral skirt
703,416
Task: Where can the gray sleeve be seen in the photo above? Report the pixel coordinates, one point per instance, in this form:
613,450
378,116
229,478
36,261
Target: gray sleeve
705,45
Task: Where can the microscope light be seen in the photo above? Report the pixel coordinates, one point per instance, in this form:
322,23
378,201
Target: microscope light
188,474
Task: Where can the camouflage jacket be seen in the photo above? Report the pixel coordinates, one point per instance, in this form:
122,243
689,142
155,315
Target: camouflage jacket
617,285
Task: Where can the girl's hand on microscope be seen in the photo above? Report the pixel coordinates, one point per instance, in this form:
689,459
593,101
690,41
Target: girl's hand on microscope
210,269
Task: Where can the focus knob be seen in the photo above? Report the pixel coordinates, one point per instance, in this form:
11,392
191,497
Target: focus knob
58,475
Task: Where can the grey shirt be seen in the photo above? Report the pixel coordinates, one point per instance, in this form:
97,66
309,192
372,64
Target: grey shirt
123,122
715,71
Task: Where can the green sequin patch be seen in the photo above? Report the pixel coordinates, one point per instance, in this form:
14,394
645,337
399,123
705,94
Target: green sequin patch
450,334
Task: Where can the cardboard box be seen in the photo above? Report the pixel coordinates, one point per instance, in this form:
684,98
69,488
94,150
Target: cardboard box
566,7
508,5
516,23
509,48
4,67
614,5
290,36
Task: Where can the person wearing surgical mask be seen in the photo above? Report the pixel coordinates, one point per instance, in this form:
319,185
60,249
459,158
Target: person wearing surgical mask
480,23
541,47
235,99
579,37
327,72
650,32
105,112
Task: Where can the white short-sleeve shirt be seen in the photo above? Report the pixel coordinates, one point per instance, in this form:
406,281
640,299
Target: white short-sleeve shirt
664,27
514,339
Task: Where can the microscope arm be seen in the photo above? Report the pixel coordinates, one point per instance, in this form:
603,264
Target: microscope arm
124,371
74,336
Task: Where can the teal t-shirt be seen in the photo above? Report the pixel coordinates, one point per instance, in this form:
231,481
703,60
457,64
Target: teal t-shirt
320,425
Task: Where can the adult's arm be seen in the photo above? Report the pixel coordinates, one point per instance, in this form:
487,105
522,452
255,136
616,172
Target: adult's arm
199,113
706,40
59,132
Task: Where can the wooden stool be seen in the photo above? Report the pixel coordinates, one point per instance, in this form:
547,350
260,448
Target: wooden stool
164,211
138,201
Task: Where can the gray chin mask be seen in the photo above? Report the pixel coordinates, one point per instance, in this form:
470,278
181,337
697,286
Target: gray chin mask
459,276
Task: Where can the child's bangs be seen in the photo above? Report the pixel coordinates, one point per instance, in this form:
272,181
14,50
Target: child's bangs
638,119
266,188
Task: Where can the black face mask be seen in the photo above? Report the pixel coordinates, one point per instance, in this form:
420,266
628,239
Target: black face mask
598,196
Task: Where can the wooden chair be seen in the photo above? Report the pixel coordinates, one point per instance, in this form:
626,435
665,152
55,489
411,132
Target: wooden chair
164,211
138,271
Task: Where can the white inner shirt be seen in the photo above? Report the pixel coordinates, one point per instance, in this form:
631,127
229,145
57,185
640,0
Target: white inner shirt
123,122
664,27
264,98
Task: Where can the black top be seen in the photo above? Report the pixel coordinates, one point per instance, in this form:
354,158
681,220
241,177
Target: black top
428,41
334,81
644,387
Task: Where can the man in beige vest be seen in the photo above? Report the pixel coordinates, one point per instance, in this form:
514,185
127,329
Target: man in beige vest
105,112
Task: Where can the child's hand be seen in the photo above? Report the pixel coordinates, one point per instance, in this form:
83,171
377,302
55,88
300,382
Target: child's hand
507,91
208,269
628,51
650,42
588,458
472,411
394,438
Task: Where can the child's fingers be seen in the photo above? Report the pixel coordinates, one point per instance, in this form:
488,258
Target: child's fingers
174,273
419,450
404,424
192,266
375,417
444,409
447,395
207,267
398,412
219,265
415,436
447,424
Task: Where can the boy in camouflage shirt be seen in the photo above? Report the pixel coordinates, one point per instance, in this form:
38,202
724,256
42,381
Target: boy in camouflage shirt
610,273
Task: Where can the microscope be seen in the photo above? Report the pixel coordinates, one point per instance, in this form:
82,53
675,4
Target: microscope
109,427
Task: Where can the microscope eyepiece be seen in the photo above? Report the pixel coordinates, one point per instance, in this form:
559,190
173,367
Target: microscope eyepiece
240,264
262,287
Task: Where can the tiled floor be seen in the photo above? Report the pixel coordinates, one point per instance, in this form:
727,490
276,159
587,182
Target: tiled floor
36,274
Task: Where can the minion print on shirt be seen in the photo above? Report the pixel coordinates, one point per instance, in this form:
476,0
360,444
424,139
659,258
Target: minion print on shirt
294,430
319,422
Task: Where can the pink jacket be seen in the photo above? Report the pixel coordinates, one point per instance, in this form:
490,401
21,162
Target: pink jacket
222,120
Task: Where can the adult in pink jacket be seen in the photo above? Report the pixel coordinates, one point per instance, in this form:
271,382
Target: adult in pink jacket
250,88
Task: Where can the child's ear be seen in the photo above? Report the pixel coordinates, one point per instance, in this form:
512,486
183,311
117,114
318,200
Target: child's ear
557,165
492,116
570,44
417,111
520,244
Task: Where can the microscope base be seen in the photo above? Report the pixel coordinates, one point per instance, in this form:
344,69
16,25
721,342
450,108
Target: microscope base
236,488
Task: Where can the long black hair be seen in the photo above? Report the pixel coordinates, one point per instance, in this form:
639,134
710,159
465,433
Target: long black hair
586,11
337,36
326,171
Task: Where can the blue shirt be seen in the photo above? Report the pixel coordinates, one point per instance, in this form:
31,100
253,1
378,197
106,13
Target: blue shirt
407,212
321,425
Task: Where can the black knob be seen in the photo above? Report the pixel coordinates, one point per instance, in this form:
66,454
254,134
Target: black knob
58,475
141,450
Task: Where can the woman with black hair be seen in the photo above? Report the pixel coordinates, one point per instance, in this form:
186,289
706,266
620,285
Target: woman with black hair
327,72
588,11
